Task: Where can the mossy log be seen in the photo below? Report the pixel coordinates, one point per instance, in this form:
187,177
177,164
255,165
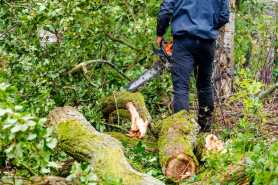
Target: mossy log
79,139
47,180
132,102
176,144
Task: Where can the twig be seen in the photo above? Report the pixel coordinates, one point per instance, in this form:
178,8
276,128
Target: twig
109,35
116,104
5,33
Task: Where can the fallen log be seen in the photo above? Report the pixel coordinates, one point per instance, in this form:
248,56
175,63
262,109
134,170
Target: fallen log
80,140
132,102
176,144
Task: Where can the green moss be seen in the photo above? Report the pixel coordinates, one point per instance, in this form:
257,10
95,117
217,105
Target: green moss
178,132
122,113
102,151
71,134
120,99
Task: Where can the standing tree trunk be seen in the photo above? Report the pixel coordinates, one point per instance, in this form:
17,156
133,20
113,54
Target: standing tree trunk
79,139
224,62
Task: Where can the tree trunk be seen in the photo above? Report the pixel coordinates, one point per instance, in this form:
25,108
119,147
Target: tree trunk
176,144
224,62
79,139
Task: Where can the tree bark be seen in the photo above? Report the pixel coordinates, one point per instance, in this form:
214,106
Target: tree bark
176,144
224,62
79,139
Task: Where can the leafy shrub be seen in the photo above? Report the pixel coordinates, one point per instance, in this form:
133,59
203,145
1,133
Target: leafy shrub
24,140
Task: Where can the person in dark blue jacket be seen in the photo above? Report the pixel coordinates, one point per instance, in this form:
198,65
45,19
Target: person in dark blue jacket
195,25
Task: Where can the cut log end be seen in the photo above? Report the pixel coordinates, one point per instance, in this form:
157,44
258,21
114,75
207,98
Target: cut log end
176,145
180,167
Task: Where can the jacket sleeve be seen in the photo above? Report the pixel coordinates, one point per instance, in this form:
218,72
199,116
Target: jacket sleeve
164,16
224,14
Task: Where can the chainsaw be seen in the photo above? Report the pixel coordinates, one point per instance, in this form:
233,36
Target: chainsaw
165,55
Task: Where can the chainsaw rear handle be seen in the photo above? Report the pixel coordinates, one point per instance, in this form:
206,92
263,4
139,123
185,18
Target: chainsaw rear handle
166,47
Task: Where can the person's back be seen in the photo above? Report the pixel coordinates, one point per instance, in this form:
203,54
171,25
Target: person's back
195,25
200,18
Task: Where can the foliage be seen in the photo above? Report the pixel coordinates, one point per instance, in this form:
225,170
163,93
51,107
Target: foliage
83,174
86,34
246,146
144,160
24,141
123,33
255,35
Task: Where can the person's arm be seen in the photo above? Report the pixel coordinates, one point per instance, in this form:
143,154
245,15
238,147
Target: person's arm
164,18
224,14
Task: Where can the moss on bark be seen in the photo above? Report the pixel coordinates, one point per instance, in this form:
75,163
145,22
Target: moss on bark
105,153
120,113
120,99
176,144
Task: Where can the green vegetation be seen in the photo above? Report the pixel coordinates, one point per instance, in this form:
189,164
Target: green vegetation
34,79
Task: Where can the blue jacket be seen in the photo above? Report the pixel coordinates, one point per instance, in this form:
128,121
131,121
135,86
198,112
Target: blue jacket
201,18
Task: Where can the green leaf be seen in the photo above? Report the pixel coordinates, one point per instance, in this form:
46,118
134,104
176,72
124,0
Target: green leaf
51,143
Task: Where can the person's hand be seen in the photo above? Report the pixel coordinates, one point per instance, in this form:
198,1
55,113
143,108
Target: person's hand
159,40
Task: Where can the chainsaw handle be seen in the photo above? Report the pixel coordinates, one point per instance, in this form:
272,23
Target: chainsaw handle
162,43
166,47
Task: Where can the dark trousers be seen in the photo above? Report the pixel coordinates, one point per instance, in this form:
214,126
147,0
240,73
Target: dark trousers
193,54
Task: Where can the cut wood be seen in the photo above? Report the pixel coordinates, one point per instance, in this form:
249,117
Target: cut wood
135,104
176,144
206,144
80,140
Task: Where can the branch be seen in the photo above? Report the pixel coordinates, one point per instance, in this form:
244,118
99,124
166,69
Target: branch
85,65
6,32
110,36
